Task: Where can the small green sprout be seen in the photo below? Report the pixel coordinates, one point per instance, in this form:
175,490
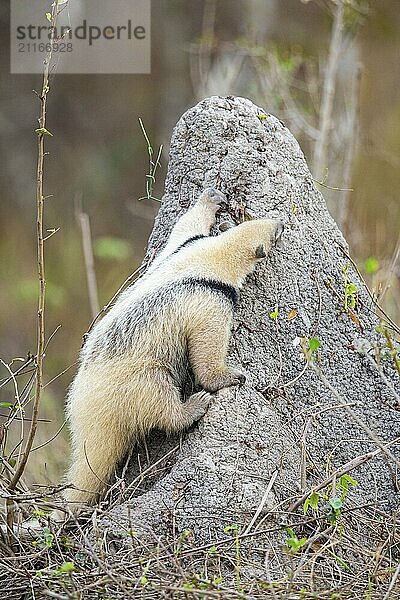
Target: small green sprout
343,484
311,502
294,542
234,527
350,291
313,345
43,131
336,506
46,541
67,567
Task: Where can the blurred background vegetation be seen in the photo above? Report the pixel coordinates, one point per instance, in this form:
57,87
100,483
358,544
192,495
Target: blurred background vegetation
276,52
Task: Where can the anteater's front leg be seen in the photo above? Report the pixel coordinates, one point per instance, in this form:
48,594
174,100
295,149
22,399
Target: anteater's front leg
197,221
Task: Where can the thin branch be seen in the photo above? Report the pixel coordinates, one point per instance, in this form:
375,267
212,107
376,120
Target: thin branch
262,503
390,321
356,418
392,583
84,222
352,127
349,466
392,268
42,132
382,375
325,123
151,176
330,187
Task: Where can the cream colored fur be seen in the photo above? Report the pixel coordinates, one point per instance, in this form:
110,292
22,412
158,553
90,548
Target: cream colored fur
118,396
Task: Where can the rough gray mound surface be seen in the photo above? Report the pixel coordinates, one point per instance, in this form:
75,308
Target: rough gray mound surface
285,418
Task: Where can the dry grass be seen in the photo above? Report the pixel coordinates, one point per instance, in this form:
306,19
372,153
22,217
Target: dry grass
356,556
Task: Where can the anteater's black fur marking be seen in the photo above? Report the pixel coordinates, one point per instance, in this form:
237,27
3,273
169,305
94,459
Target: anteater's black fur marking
227,290
119,337
194,238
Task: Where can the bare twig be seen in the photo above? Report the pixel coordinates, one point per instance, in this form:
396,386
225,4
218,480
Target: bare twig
356,418
42,132
382,375
391,270
325,123
393,350
392,583
330,187
351,145
349,466
84,222
262,503
376,304
153,164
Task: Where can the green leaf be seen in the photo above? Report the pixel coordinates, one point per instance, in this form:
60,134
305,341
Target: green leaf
343,484
48,17
43,131
311,501
314,344
48,537
132,532
274,315
112,248
349,479
263,116
314,499
336,503
67,567
351,288
371,265
232,527
295,544
7,405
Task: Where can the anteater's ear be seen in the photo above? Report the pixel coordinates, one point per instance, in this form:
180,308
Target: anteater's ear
260,252
225,225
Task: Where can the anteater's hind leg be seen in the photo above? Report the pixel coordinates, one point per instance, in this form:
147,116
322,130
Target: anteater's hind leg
104,423
178,416
98,447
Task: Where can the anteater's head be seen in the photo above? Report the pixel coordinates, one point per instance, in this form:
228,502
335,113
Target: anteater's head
238,249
